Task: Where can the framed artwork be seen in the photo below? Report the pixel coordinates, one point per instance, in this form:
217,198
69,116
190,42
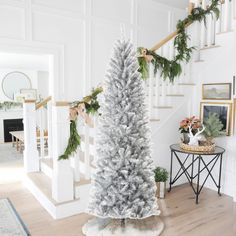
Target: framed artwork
224,111
220,91
29,94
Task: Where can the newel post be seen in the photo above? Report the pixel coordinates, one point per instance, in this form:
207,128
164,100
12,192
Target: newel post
31,155
62,180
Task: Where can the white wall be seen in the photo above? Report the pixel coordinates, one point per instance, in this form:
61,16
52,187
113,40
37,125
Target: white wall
84,31
32,74
219,66
43,89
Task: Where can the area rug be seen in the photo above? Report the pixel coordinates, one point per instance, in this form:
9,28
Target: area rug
10,222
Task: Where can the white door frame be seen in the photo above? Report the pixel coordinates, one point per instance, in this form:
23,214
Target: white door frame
56,61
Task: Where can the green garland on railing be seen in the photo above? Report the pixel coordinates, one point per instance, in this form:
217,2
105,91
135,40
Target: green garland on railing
73,142
168,68
91,106
172,68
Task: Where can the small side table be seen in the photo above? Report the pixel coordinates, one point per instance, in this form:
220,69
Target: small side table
198,158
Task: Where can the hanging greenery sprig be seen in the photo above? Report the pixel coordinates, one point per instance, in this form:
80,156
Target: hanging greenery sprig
170,69
88,105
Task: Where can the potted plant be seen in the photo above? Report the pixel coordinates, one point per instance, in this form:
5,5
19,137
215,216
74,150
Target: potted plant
161,176
213,128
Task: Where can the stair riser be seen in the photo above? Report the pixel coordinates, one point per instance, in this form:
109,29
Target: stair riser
46,170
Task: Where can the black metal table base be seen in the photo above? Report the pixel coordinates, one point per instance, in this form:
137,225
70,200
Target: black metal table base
201,165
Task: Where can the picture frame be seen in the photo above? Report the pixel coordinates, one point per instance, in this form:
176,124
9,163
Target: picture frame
29,94
224,110
217,91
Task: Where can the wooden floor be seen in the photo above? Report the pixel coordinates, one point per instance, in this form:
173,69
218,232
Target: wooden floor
214,216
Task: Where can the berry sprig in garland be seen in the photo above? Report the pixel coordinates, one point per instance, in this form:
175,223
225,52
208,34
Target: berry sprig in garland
88,105
172,68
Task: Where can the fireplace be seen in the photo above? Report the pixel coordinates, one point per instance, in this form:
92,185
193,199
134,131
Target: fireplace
11,125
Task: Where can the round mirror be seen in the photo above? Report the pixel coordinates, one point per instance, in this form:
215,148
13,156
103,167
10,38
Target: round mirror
13,82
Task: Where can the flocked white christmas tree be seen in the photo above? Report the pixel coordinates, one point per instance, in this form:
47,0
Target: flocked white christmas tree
123,186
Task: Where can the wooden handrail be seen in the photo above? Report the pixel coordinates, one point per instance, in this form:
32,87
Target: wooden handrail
43,103
167,39
175,33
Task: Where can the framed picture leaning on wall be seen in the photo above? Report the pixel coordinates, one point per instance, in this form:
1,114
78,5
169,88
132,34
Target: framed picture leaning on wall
217,91
224,111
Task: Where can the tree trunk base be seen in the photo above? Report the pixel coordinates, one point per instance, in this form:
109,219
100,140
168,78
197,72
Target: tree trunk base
152,226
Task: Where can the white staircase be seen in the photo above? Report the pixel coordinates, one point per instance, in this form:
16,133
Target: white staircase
164,98
62,187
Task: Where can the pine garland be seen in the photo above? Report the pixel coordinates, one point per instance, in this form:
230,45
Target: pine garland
169,68
73,142
91,107
90,101
172,68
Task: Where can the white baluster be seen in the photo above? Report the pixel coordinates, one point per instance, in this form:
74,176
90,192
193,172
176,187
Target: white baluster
87,153
49,124
203,29
213,30
163,92
197,34
229,15
219,21
76,158
31,155
41,130
223,17
157,94
234,9
150,91
157,88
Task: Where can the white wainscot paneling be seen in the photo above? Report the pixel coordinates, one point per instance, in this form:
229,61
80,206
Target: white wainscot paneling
148,38
11,22
113,9
152,16
103,38
69,5
70,33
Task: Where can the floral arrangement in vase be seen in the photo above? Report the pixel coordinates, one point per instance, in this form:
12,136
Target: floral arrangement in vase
193,124
195,133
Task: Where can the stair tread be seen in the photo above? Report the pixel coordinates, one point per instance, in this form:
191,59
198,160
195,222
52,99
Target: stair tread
48,162
210,47
91,139
225,32
163,107
197,61
155,120
187,84
82,181
175,95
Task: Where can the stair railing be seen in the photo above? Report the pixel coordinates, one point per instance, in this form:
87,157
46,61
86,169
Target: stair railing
44,128
160,92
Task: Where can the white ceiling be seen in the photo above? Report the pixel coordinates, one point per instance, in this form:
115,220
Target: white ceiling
24,61
175,3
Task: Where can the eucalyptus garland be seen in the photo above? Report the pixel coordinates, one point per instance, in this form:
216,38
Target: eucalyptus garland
91,106
172,68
